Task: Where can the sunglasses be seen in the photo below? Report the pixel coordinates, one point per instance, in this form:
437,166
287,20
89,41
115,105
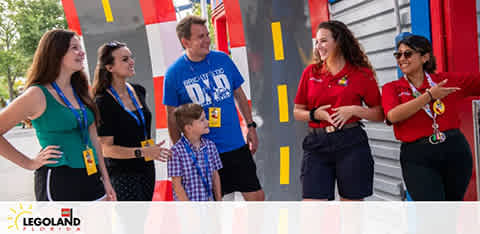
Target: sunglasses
407,54
112,44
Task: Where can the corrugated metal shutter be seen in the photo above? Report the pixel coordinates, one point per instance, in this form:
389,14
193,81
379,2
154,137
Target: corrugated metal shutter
373,23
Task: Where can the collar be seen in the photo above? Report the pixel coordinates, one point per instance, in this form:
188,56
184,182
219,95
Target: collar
187,59
345,70
203,144
404,82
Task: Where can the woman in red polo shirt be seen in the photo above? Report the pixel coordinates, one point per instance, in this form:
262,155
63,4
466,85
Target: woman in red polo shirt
435,157
329,98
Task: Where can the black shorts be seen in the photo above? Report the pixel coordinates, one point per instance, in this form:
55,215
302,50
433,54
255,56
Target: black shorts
67,184
344,156
239,172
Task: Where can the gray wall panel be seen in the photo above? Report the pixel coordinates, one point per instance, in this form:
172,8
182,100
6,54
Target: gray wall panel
265,75
373,23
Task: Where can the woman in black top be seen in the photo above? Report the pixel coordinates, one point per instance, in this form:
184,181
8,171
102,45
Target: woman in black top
124,129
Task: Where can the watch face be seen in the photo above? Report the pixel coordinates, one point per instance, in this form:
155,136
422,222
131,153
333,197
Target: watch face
138,153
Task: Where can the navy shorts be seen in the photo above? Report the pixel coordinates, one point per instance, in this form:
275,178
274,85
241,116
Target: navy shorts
344,156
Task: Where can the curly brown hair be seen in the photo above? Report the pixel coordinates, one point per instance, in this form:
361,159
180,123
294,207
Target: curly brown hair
347,44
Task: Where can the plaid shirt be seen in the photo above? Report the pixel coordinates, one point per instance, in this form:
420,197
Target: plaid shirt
181,164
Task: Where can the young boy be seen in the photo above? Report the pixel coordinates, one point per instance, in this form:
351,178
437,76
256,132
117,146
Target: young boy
195,160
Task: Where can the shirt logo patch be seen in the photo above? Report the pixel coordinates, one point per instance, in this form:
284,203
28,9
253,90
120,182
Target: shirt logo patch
404,94
315,79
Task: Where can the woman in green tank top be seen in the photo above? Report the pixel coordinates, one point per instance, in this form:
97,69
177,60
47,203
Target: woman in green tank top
70,166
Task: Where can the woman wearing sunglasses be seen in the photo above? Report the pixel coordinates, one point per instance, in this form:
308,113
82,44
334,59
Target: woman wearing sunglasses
124,130
330,98
435,156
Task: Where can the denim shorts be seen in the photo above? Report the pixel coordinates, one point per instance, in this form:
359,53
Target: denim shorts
344,156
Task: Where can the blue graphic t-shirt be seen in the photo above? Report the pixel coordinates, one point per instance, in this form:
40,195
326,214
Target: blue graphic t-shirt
182,85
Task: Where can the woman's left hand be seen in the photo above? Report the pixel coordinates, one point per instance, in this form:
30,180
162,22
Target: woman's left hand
342,115
111,195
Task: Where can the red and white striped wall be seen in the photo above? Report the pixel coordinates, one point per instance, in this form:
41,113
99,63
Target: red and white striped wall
227,17
164,47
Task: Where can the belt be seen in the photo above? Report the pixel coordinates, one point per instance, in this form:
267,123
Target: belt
425,140
330,129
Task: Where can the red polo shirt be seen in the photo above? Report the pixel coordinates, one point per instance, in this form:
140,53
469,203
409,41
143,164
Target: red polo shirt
350,86
420,124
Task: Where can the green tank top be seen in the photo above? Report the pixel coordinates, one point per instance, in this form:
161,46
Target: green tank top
58,126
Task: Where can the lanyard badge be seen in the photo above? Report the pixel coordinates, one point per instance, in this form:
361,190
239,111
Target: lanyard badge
140,122
89,161
214,117
147,143
88,157
438,109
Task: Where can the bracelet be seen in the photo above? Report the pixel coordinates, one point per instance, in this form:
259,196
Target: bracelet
312,115
430,94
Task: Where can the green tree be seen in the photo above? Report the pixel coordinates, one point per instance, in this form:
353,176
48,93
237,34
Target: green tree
23,24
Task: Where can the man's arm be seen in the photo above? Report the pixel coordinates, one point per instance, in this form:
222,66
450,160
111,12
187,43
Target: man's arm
246,112
173,130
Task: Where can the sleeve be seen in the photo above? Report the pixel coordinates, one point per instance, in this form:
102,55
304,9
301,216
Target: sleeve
106,127
237,79
302,91
174,165
371,93
170,97
468,82
390,98
217,163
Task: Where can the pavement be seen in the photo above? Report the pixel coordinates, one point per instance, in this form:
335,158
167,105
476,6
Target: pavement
16,183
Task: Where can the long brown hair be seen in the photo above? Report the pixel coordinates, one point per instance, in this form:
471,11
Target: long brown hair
47,63
103,78
347,44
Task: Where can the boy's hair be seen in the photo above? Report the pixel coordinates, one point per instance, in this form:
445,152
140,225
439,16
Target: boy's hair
186,114
184,26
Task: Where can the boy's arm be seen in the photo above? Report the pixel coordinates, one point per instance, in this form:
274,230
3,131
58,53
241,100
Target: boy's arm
217,186
179,191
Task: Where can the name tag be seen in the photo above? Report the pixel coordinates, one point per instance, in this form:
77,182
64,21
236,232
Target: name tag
147,143
214,117
90,164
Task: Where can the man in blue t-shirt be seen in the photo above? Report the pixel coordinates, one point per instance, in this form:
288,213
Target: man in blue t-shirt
211,79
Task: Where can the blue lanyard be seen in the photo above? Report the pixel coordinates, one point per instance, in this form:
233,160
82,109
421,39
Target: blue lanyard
82,125
135,103
199,170
208,88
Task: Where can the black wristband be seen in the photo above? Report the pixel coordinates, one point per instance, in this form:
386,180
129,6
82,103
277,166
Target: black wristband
312,115
430,94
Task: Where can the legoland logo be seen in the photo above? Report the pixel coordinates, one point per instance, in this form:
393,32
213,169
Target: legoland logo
22,219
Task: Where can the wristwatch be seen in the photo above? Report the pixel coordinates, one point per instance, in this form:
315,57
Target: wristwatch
138,153
252,124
